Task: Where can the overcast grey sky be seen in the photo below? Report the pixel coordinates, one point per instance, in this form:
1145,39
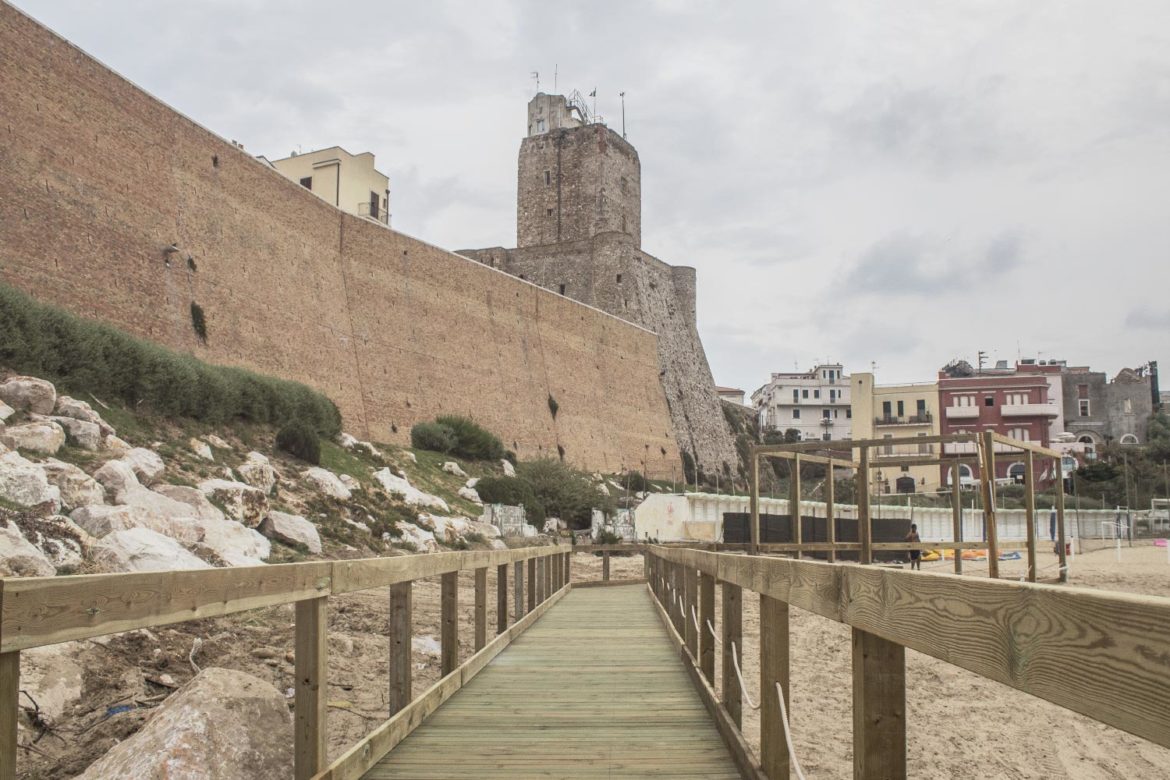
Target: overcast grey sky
898,183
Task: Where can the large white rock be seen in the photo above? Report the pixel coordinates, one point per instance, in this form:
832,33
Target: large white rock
347,441
400,486
328,483
195,502
57,537
28,394
41,436
24,482
349,482
100,521
509,469
77,488
451,467
84,434
486,530
6,411
292,529
141,549
234,544
257,471
80,410
470,494
446,529
201,449
115,445
223,725
118,478
242,502
147,464
217,442
421,539
471,482
19,558
52,676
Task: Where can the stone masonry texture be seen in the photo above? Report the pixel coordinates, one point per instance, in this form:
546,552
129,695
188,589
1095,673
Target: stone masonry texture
576,188
98,179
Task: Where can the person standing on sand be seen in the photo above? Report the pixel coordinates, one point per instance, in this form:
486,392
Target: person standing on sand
915,555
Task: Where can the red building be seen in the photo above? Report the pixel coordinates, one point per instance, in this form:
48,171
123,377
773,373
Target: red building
1003,400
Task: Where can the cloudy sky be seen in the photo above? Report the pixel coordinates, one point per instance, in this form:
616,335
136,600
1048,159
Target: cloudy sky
878,183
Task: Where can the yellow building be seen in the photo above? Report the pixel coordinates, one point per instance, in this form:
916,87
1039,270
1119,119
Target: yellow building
897,411
348,181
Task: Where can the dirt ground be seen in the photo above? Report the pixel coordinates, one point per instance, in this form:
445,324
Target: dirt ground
960,725
123,677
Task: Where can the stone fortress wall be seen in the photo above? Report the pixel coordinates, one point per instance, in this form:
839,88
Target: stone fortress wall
98,179
579,234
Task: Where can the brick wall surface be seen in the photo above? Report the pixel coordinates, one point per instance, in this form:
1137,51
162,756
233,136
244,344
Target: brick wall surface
97,179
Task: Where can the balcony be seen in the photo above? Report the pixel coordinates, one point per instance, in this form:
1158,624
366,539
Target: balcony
1029,410
378,215
962,412
922,418
827,422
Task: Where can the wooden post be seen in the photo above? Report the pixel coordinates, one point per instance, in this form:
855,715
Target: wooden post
707,615
311,664
568,567
676,597
879,707
1061,545
1030,512
605,566
987,480
449,641
755,505
864,532
10,713
830,513
548,577
480,608
794,501
732,631
531,584
691,610
401,631
773,669
957,514
518,589
501,598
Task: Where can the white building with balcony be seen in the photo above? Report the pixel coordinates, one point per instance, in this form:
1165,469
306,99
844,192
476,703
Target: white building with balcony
815,403
348,181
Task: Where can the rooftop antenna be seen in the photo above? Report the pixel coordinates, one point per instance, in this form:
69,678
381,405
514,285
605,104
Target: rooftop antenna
536,76
623,97
555,69
873,366
593,95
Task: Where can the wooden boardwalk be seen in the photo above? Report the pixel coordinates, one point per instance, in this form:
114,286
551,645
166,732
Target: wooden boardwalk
593,690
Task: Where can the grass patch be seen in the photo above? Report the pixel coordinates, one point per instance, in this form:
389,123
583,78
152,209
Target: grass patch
339,460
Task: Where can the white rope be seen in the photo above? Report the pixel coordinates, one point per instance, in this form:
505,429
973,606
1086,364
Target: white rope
739,674
788,734
711,628
695,620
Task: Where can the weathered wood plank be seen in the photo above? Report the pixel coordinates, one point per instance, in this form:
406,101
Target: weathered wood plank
957,514
706,625
774,665
449,619
532,586
401,632
1030,511
864,528
9,712
691,609
311,648
879,708
605,565
987,482
480,609
501,598
732,631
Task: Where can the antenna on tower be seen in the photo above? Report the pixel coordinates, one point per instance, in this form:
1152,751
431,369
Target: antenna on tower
623,97
593,95
536,76
555,69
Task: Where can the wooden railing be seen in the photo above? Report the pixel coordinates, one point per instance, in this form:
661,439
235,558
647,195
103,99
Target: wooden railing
1104,655
49,610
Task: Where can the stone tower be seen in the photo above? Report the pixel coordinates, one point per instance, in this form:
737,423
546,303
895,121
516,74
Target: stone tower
576,180
579,233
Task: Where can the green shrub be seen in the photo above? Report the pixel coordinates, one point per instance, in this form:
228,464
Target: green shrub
300,440
199,321
635,482
82,356
606,536
433,436
513,492
473,440
564,492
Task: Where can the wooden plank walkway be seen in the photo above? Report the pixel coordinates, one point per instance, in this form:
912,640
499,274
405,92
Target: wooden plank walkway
593,690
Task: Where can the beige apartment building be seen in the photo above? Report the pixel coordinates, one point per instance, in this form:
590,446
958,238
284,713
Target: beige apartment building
348,181
897,411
